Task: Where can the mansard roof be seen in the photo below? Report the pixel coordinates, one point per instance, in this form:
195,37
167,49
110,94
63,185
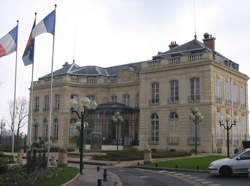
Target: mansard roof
193,46
94,71
189,47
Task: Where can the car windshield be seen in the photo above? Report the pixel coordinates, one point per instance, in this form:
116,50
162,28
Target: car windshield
237,154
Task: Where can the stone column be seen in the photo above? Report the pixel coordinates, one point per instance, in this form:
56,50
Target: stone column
147,155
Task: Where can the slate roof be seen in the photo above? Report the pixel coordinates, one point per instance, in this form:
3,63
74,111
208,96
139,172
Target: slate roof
94,71
192,46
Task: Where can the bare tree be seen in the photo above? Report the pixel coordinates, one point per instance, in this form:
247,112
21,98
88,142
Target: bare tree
2,126
21,116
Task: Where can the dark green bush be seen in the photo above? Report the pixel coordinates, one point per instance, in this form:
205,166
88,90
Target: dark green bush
134,154
246,144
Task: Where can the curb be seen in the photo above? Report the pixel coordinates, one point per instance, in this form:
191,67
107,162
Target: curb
73,179
92,163
171,169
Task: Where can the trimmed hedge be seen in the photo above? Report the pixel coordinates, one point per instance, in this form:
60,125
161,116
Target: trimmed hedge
127,155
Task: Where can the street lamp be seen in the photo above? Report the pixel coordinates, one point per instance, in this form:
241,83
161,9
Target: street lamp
196,117
82,113
117,119
228,126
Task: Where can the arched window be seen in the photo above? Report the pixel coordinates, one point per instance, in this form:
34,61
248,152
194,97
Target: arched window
45,128
72,128
56,129
155,128
172,138
172,121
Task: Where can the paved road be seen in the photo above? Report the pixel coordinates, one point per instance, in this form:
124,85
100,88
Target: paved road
139,177
242,180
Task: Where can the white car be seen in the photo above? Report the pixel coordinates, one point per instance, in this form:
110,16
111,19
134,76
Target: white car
238,164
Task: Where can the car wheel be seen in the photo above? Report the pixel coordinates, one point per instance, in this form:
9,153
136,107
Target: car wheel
225,171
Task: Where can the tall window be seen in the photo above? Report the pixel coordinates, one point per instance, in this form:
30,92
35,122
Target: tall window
174,91
242,97
172,138
56,129
173,118
114,99
36,104
72,128
57,102
235,102
195,89
227,93
218,89
219,140
46,103
243,128
45,128
35,130
125,99
235,134
155,93
154,128
137,99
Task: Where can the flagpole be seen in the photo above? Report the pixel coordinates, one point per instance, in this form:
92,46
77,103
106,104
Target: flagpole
31,96
51,86
14,104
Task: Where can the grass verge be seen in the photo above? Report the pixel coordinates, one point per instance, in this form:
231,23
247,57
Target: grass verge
62,177
187,163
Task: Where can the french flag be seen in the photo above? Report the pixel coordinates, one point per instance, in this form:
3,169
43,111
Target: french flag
8,43
47,25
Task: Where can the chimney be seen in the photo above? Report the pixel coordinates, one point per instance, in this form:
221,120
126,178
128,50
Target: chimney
172,45
209,41
66,64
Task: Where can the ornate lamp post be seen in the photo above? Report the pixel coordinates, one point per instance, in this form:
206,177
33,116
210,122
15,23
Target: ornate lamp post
228,126
117,119
196,117
82,113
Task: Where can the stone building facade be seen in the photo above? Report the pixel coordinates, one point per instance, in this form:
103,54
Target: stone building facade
164,90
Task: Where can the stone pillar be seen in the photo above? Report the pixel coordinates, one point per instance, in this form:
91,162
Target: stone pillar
147,155
62,157
20,157
53,161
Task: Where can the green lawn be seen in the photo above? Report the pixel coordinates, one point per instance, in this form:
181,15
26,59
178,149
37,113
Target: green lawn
187,163
63,176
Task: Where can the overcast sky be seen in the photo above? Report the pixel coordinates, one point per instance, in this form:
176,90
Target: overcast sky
114,32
